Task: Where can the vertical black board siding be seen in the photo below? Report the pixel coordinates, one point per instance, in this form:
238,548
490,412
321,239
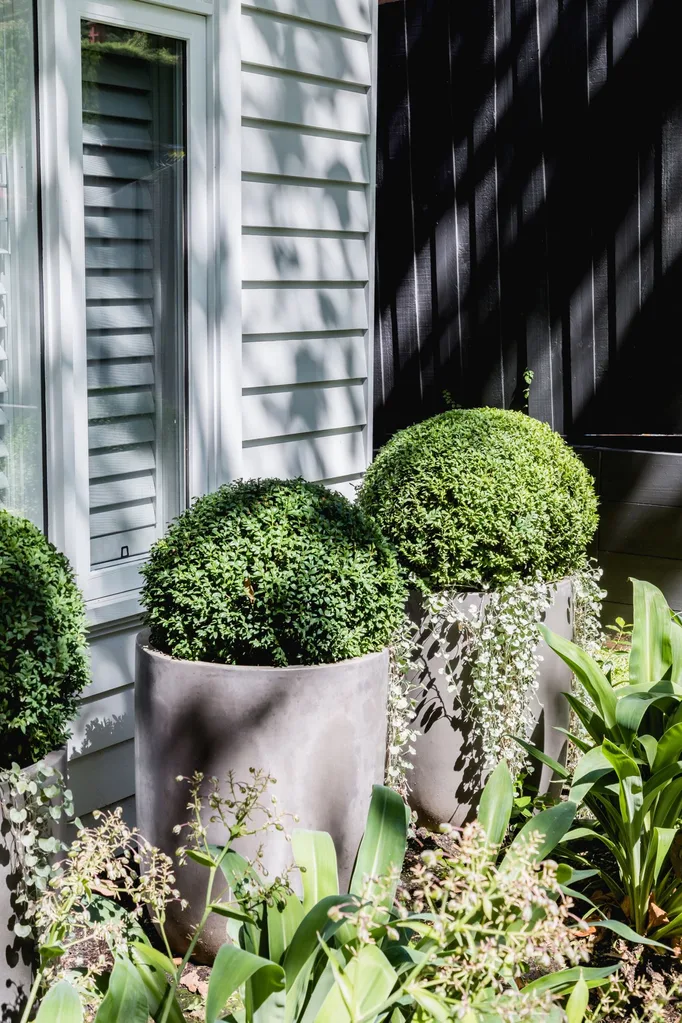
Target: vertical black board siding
397,374
530,216
426,94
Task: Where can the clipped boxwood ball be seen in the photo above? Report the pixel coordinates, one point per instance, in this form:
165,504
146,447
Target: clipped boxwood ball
272,572
43,664
482,496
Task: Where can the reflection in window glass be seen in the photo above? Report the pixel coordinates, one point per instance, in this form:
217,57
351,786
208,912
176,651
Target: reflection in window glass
134,184
21,484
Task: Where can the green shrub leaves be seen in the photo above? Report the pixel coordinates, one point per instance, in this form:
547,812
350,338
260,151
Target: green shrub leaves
43,666
272,572
482,496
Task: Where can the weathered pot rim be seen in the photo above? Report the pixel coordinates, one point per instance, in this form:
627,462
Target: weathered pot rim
471,592
143,645
51,759
56,759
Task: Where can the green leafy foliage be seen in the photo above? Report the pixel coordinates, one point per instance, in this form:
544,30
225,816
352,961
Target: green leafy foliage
43,666
32,801
126,997
272,572
482,497
457,941
355,957
61,1005
630,773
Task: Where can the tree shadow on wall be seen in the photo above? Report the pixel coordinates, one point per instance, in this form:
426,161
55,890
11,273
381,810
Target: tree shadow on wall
530,215
529,212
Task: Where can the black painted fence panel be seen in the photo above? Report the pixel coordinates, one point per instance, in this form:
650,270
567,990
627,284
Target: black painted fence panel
529,216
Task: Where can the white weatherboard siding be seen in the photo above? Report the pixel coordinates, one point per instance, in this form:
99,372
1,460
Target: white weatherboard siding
307,181
101,769
308,159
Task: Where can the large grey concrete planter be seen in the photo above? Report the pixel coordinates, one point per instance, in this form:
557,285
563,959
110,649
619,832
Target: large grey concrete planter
320,731
17,954
446,779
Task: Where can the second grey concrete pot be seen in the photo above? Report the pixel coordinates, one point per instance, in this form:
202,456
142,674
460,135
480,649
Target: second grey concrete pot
320,731
447,779
17,954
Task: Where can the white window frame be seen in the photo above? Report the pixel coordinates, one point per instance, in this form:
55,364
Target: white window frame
213,426
22,370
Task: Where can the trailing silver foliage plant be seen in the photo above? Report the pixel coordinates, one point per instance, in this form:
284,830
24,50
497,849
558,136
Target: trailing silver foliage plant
587,606
32,804
402,704
589,636
498,655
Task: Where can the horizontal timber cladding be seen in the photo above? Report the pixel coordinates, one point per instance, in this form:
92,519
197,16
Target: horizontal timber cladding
294,101
305,258
304,360
304,207
353,15
339,453
285,152
284,43
116,708
302,410
101,762
307,201
275,309
103,777
529,216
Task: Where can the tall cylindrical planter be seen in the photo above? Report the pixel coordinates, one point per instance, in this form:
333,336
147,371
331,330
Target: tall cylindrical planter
447,776
17,955
319,731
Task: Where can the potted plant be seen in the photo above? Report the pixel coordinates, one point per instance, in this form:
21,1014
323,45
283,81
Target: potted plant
43,670
491,514
269,606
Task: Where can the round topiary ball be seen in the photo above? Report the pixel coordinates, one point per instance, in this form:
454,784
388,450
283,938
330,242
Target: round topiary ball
43,663
272,572
481,497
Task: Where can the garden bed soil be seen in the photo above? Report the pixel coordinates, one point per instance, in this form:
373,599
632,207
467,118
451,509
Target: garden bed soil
193,987
649,979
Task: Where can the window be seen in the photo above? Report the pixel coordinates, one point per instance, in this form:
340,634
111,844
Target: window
130,336
134,148
21,460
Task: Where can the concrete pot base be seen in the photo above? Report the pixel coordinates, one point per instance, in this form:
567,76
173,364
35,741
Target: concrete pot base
320,731
446,779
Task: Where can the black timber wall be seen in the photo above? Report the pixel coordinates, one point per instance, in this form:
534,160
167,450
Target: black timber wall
529,215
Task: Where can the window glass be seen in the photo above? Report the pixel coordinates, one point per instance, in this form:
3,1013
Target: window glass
134,194
21,460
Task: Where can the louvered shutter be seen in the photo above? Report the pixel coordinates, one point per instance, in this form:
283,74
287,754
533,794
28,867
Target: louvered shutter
129,192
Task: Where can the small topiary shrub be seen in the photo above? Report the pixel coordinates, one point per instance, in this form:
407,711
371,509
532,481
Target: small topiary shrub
272,572
482,497
43,664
